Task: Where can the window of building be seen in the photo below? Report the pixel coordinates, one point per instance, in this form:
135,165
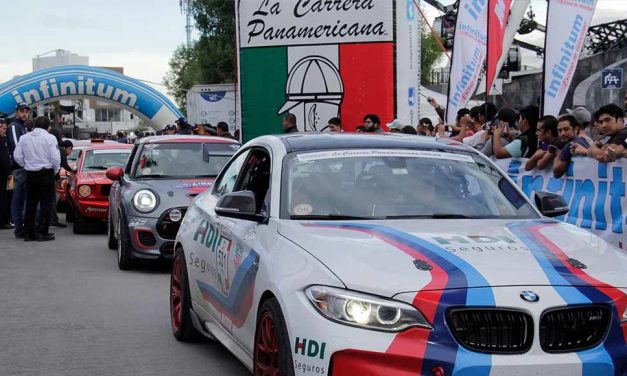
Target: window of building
108,115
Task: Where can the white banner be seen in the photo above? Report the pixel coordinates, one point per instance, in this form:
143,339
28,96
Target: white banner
594,191
265,23
408,26
567,24
468,55
212,104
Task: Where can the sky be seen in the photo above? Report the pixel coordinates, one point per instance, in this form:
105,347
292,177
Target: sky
140,35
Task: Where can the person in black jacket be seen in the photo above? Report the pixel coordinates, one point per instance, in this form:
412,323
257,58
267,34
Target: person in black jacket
5,171
17,129
65,149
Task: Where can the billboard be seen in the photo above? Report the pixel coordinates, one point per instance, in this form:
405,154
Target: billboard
319,60
212,104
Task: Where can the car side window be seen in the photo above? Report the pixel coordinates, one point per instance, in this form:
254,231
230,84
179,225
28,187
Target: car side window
256,177
227,180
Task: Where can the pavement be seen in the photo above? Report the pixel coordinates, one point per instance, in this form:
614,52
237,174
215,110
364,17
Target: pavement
66,309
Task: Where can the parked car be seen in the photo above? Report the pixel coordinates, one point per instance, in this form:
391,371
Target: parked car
61,184
150,196
88,189
350,254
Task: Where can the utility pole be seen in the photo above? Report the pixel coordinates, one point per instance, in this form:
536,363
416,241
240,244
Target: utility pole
185,9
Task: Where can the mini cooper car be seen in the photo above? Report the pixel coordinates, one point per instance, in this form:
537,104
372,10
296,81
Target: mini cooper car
88,189
349,254
150,196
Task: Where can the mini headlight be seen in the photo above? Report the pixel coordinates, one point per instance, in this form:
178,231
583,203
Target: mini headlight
84,191
624,319
175,215
363,310
144,200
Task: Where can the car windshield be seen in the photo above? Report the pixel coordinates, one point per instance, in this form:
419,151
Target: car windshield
73,157
386,184
102,159
183,160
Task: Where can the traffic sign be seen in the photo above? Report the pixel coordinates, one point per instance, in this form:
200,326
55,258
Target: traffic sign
612,78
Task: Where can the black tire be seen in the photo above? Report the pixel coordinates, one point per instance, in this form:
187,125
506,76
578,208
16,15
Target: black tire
180,301
112,242
81,224
285,364
69,213
125,260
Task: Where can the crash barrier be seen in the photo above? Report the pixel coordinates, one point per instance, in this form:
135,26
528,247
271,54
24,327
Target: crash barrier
594,191
84,82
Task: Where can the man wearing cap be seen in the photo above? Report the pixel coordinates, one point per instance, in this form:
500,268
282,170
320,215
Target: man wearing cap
169,129
38,153
184,127
223,130
395,126
584,118
5,171
524,145
16,130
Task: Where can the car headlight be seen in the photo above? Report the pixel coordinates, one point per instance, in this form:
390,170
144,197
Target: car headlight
84,191
144,200
175,215
364,311
624,319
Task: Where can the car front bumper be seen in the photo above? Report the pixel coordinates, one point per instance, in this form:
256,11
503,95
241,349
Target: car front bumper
146,241
322,347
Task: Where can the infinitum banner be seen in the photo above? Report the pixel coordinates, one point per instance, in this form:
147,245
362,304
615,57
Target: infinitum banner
567,24
468,55
324,59
595,193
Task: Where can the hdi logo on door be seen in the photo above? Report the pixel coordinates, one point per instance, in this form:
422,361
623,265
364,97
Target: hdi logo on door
309,348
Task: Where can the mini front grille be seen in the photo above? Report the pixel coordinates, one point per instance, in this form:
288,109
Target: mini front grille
496,331
146,238
574,328
105,189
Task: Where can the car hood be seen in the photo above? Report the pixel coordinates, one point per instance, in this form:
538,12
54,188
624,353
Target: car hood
93,177
175,192
394,256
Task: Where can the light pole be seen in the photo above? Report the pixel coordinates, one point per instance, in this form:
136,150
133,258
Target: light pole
44,54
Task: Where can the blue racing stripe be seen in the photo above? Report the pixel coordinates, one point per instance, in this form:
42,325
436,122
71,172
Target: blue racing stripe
596,361
442,349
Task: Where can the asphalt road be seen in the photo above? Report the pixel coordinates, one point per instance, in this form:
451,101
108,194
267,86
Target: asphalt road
66,309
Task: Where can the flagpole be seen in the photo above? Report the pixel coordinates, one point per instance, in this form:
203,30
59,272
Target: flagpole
546,34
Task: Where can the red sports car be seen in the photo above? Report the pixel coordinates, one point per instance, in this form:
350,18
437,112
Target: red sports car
88,189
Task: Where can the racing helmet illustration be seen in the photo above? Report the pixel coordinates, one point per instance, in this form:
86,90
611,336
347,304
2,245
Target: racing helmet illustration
314,92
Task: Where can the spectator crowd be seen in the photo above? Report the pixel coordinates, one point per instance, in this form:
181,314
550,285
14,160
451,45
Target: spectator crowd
548,142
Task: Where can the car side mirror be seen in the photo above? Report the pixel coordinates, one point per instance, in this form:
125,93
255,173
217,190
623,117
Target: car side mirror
551,204
240,205
114,173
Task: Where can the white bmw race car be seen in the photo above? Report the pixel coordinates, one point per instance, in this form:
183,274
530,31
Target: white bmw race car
362,254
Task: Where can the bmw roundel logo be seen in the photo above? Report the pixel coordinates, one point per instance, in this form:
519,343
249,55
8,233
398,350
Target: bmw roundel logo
529,296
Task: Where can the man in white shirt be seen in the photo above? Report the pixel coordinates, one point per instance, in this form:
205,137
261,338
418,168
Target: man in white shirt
38,153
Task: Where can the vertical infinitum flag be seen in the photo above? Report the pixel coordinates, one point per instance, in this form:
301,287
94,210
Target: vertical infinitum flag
469,53
318,61
566,28
498,12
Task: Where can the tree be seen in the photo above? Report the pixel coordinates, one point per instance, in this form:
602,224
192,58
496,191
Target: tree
211,59
430,53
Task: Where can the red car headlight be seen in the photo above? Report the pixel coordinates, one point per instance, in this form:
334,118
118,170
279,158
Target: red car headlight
84,191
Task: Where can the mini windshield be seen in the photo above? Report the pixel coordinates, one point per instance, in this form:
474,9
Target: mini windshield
386,184
183,160
100,160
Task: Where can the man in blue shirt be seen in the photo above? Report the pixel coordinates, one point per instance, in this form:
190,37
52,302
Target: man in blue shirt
16,130
38,153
